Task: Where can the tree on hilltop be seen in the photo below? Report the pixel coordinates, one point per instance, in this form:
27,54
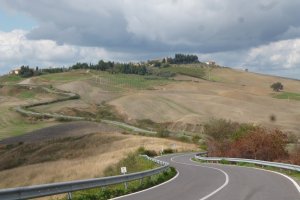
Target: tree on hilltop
277,86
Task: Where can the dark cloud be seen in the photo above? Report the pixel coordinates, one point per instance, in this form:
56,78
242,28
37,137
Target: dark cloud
261,35
151,25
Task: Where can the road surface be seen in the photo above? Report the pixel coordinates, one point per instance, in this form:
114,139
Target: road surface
198,181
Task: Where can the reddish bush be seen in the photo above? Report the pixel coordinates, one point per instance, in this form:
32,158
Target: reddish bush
260,144
295,156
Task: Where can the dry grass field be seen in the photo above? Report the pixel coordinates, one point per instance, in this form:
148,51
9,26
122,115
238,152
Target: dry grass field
238,96
85,154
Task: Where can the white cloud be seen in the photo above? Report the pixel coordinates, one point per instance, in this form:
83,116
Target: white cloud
281,54
16,49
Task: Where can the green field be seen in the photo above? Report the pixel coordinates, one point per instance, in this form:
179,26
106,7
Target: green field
13,124
10,79
288,95
26,95
193,70
66,76
120,82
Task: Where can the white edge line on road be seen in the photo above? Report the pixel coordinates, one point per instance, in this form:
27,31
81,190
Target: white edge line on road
292,180
289,178
151,188
215,191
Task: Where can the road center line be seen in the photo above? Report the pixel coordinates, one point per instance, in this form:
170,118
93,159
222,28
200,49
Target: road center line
215,191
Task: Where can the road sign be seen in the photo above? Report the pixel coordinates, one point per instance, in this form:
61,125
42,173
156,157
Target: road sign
123,170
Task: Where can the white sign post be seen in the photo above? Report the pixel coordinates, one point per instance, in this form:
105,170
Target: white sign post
162,150
124,171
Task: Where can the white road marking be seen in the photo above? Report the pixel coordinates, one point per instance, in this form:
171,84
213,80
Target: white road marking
289,178
215,191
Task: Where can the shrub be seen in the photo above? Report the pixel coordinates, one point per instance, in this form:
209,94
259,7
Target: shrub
220,129
168,151
261,144
295,156
143,151
196,139
277,86
184,138
163,133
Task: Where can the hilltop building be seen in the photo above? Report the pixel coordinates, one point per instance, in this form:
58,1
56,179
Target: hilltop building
15,71
210,62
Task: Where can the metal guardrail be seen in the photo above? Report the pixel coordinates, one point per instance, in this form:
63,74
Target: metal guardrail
252,161
68,187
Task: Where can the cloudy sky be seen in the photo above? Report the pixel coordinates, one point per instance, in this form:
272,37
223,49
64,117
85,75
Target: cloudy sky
261,35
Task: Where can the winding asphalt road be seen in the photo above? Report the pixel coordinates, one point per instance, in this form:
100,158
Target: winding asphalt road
197,181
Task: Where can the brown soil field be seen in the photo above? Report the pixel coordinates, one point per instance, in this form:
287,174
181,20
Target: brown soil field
89,91
69,129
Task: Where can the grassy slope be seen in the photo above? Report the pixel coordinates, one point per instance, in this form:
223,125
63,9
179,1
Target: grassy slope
38,162
193,70
12,123
10,79
288,95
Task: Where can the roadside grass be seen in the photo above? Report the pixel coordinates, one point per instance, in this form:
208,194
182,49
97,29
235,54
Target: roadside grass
119,190
287,95
293,174
134,163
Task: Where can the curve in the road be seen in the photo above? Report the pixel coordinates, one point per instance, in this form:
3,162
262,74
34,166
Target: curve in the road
215,191
198,181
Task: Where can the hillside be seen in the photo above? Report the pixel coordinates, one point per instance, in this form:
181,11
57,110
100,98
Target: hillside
235,95
184,102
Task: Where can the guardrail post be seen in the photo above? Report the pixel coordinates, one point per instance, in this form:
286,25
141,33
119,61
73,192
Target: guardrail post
141,181
125,185
69,195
